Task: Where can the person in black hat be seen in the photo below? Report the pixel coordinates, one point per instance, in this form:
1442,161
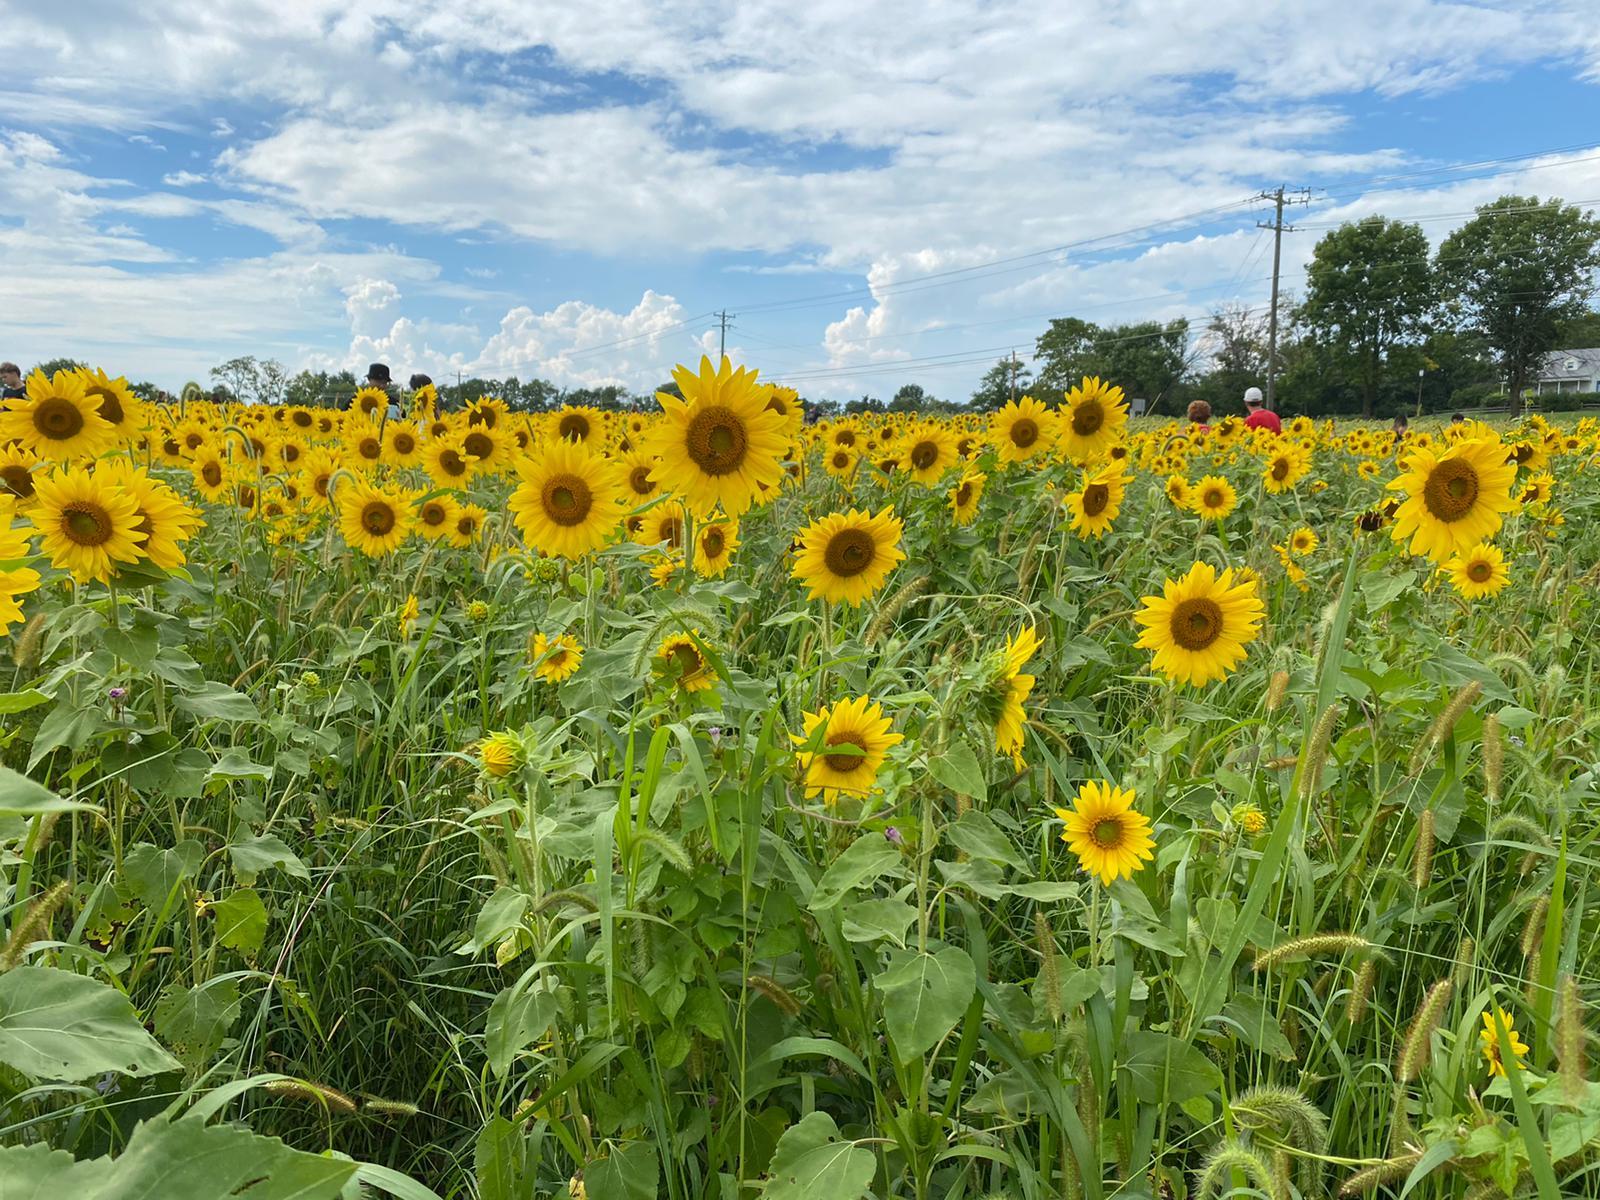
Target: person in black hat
378,377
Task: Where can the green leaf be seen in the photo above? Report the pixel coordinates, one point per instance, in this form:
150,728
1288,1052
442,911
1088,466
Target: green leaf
959,770
235,764
177,1160
518,1017
213,701
15,702
979,836
864,860
1381,590
811,1162
869,920
924,996
241,920
22,797
254,855
67,726
500,915
57,1025
194,1020
153,873
1167,1070
497,1158
626,1174
1247,1017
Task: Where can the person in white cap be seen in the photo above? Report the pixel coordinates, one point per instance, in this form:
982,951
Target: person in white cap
1260,416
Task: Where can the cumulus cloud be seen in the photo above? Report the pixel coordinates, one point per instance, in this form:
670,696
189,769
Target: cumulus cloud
182,179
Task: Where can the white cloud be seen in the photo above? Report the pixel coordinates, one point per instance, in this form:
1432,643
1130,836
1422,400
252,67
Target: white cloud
182,179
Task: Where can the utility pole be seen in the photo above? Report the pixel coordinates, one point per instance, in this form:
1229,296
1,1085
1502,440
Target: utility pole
722,341
1012,390
1299,196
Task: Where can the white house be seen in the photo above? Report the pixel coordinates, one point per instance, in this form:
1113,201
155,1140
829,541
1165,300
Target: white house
1567,371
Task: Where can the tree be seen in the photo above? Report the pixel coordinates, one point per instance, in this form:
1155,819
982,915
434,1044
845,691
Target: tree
1579,332
253,380
51,366
1144,359
912,397
318,388
1368,290
998,385
1235,342
1064,353
1516,272
864,405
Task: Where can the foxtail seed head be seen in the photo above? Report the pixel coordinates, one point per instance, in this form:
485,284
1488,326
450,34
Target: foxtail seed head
1417,1048
1422,857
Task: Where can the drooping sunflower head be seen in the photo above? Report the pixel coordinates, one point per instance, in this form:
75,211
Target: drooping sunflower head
964,497
845,747
848,556
569,501
501,753
1000,700
1093,418
680,661
1109,837
555,659
719,446
1200,625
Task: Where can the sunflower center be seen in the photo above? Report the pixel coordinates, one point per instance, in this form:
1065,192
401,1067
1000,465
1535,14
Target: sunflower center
291,453
479,445
1095,498
58,419
1087,418
1479,572
846,762
1213,498
1107,833
716,440
18,479
110,406
924,455
369,447
844,437
467,525
193,441
567,499
452,463
1025,432
1451,490
687,658
86,523
486,417
302,419
377,518
713,543
671,530
404,443
841,460
639,481
433,513
212,474
850,552
1280,468
320,484
1196,623
574,427
963,494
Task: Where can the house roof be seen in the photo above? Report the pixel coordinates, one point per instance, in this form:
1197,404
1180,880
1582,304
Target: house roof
1570,364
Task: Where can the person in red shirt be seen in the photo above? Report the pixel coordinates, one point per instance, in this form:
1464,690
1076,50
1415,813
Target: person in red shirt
1260,416
1199,416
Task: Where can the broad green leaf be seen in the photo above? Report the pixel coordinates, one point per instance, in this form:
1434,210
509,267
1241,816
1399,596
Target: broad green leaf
194,1020
959,770
518,1017
1249,1019
15,702
497,1158
979,836
812,1162
867,858
235,765
869,920
254,855
213,701
57,1025
68,726
241,920
153,872
1167,1070
924,995
626,1174
1381,590
178,1160
22,797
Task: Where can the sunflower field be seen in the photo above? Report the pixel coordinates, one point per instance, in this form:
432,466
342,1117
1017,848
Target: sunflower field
710,805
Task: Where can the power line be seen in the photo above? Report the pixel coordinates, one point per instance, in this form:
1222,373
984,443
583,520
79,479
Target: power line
1300,196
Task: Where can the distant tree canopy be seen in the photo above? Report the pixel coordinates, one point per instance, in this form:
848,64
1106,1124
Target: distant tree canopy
1146,359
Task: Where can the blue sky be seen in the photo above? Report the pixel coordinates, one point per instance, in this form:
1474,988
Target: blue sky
494,187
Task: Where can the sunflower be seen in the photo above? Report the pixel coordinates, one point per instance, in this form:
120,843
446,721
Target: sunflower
467,525
501,753
1008,687
577,423
1284,469
1454,498
165,520
852,739
374,519
1092,420
1178,490
401,445
16,473
679,658
847,556
447,462
1095,505
965,495
363,442
555,659
17,580
88,524
317,470
1201,624
927,453
840,462
665,524
569,501
370,402
488,446
1489,1041
718,443
636,469
714,544
1478,571
409,612
1022,430
1303,541
785,401
119,407
436,517
1111,839
56,419
1213,498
